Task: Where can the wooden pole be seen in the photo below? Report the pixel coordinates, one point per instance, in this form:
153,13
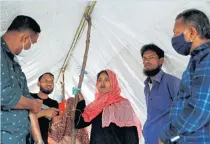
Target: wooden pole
81,77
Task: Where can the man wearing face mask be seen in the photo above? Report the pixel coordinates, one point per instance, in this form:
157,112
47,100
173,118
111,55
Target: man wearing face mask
50,106
160,90
16,101
190,112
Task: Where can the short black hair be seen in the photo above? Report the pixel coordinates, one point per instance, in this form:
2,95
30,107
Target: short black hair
198,20
152,47
103,71
45,74
22,23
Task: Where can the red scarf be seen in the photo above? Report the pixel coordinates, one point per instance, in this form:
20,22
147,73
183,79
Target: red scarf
103,100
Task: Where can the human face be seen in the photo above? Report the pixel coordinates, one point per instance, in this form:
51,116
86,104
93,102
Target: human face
151,60
183,38
181,28
27,39
103,83
46,84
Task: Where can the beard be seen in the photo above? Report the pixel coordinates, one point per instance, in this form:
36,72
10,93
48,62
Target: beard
153,72
43,90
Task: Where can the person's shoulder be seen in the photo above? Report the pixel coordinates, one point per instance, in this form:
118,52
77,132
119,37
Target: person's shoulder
205,56
34,95
125,102
171,77
52,100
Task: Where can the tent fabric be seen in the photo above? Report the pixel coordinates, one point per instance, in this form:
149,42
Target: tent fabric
119,29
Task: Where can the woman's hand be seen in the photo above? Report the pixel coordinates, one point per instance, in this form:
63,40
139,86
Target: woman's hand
80,96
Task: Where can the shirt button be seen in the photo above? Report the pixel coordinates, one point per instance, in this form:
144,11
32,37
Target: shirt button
151,98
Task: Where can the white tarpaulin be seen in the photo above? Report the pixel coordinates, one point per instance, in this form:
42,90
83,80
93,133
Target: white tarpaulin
119,29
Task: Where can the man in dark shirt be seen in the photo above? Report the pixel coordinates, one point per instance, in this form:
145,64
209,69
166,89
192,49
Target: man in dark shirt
16,101
49,107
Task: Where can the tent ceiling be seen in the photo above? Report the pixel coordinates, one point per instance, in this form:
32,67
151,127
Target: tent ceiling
119,30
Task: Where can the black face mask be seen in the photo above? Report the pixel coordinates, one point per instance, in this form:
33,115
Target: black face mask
153,72
46,91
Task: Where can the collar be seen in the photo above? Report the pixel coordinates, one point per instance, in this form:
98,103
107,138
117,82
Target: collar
200,48
6,48
157,78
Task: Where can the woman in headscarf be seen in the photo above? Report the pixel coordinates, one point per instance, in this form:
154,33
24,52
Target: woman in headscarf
112,117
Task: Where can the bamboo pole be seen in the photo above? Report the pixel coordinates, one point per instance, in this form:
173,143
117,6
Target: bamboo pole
86,17
81,77
88,11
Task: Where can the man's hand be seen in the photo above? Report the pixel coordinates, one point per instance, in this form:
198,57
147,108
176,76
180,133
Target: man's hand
159,141
50,112
36,105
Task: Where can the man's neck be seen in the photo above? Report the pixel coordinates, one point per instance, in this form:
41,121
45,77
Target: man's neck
9,38
42,95
198,43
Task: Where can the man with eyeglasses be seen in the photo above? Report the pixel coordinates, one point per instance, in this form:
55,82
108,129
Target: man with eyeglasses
160,90
49,107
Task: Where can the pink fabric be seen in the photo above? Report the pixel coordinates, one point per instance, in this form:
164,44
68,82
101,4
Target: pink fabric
122,114
61,128
116,109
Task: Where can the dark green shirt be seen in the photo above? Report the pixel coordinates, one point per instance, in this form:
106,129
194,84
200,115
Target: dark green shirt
14,123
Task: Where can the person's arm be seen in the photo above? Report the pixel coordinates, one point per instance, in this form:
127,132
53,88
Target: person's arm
25,103
49,113
11,96
35,129
79,120
173,86
40,114
196,112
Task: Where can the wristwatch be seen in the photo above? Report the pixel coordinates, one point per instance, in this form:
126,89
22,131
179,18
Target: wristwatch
175,138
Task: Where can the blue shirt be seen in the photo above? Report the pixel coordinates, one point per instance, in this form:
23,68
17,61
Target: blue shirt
14,122
190,112
158,100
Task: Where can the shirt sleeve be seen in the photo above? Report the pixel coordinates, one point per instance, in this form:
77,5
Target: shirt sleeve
79,120
174,87
56,104
22,76
196,112
10,90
